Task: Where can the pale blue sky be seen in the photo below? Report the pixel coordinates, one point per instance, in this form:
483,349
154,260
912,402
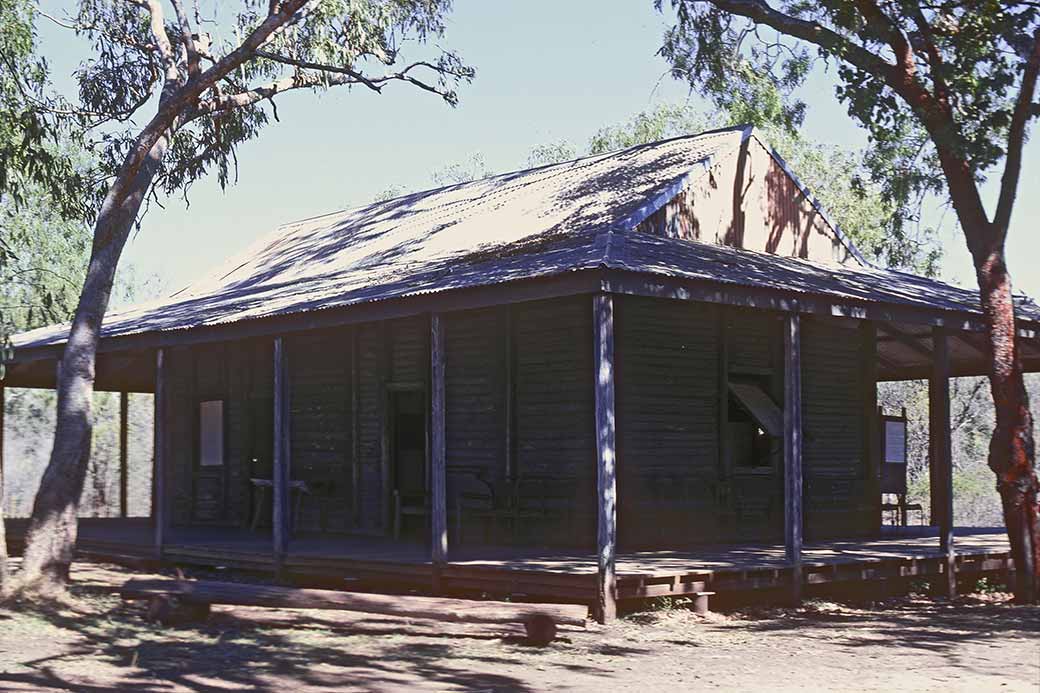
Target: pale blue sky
546,70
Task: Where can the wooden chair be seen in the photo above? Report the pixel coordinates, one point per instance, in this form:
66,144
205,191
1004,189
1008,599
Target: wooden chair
264,487
475,499
409,505
540,499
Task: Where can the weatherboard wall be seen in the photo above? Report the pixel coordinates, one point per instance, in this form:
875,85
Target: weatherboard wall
667,404
839,497
520,425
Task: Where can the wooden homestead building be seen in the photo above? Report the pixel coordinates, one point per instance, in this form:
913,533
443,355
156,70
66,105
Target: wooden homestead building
559,382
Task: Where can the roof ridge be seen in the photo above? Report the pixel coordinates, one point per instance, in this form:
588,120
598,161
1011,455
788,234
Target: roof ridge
715,132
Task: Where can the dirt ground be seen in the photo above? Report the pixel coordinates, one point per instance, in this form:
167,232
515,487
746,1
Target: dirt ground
977,643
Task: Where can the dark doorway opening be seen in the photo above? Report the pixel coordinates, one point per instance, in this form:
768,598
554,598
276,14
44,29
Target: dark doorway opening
408,462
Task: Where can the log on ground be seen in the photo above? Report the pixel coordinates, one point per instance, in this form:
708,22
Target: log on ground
431,608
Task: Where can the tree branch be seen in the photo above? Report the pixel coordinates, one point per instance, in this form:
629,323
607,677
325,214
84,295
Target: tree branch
187,39
157,25
307,80
812,32
171,108
123,40
304,64
901,78
1016,138
935,61
883,24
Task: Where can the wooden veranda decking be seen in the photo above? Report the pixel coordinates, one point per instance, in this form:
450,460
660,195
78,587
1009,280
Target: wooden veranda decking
378,564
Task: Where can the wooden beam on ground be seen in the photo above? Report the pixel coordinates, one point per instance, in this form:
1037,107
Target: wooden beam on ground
124,471
438,449
433,608
606,462
940,454
281,490
159,504
793,450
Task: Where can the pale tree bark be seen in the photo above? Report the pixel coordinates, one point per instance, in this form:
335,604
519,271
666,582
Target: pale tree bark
51,537
188,92
4,574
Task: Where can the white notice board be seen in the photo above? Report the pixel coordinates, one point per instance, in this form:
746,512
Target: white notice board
895,440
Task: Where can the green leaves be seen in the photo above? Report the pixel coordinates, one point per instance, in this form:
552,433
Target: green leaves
742,71
31,155
327,43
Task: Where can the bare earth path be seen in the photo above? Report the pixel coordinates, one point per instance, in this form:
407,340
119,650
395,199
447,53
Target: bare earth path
975,644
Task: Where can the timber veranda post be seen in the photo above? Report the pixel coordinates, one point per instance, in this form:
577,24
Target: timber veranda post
941,457
3,403
606,456
281,473
124,461
3,534
793,450
159,454
438,450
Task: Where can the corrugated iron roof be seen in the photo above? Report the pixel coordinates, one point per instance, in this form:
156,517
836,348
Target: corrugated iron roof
537,222
718,263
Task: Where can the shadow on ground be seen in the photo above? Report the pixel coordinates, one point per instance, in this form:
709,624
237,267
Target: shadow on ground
111,646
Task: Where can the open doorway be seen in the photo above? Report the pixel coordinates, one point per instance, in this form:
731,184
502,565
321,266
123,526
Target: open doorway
408,467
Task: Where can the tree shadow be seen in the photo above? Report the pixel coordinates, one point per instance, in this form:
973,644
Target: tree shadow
258,649
937,626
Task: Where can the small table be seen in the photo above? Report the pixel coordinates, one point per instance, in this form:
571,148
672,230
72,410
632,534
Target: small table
902,509
262,486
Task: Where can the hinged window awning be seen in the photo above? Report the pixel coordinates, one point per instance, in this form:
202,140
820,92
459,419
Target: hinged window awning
761,406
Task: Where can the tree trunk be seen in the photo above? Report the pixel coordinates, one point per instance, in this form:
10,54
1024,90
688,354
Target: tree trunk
3,537
51,537
3,531
1011,452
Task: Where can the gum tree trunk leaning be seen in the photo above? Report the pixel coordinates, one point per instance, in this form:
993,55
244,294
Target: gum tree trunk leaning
51,537
208,103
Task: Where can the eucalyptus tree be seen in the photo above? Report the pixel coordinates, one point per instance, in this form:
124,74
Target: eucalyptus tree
947,93
167,92
37,167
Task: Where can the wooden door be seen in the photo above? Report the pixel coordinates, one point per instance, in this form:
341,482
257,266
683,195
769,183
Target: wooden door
261,457
210,468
